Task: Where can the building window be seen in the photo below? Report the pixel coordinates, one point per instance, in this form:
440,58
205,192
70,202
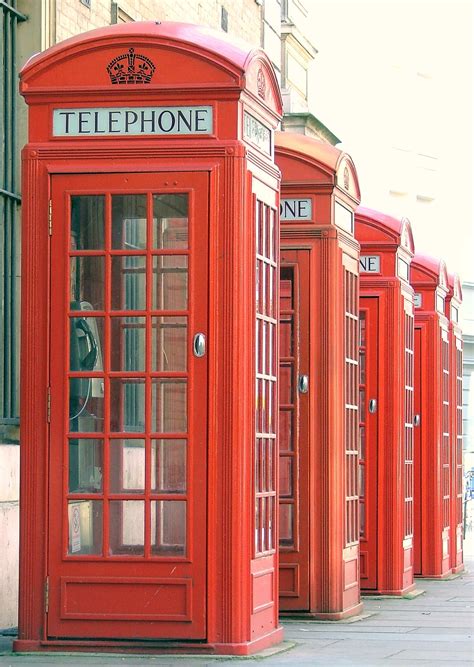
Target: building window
9,222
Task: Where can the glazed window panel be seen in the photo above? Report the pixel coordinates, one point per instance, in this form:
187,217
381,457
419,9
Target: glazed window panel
265,378
408,418
351,419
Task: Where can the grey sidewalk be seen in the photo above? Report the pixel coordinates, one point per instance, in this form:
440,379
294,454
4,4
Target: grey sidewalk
436,628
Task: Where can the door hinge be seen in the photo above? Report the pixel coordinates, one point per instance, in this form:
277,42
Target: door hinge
46,595
50,217
48,404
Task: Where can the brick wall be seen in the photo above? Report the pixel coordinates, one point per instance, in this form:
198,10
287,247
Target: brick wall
244,16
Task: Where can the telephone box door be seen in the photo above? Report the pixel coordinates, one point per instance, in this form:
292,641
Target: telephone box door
294,502
128,395
368,450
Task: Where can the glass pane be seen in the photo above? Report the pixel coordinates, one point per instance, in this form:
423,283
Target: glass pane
169,344
86,404
85,527
361,481
127,352
362,404
286,477
128,283
87,283
168,527
127,405
87,222
86,336
85,466
170,282
286,430
129,222
286,336
362,367
286,385
286,525
170,221
362,519
168,466
127,466
127,527
169,405
362,328
362,442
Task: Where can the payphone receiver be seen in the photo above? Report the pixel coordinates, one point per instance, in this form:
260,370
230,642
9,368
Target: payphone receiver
85,355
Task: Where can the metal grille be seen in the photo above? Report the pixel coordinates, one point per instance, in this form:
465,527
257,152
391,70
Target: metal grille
9,216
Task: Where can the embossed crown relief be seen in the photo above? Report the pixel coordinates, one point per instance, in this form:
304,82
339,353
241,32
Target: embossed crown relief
261,83
131,67
346,178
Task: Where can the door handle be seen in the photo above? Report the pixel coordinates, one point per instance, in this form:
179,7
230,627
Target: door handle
303,384
373,406
199,345
416,420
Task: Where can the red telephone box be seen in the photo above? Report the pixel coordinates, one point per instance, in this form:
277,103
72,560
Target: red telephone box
452,305
385,403
148,475
319,569
432,383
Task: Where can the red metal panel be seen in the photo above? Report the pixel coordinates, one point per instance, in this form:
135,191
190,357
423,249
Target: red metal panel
389,489
429,280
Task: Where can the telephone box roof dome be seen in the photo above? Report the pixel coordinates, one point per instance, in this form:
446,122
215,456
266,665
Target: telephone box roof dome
429,271
383,228
213,59
336,164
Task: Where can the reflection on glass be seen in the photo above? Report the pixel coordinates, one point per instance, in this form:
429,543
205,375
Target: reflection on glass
127,352
87,283
169,344
168,466
170,282
286,384
128,282
170,221
85,527
362,328
361,481
362,519
127,405
286,525
127,527
86,404
169,405
362,367
362,442
127,466
87,222
286,477
168,527
286,430
362,404
85,465
86,336
128,222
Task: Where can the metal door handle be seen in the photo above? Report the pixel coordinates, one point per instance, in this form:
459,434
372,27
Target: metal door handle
199,345
416,420
373,406
303,384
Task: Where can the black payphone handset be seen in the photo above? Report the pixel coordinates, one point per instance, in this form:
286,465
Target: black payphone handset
85,355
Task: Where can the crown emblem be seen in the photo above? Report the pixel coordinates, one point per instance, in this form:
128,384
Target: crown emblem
261,83
130,67
346,177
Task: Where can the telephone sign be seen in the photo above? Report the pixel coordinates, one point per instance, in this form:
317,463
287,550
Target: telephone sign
369,263
296,209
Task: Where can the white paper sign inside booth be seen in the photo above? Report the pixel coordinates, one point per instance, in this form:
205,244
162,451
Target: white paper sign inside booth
75,528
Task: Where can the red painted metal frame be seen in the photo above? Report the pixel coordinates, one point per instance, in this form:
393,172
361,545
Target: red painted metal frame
389,429
453,303
326,255
429,279
194,66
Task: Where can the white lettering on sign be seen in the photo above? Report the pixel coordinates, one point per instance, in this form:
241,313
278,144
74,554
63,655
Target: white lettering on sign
296,209
417,300
369,263
257,133
132,121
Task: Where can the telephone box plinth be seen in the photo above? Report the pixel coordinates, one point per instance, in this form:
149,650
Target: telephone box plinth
386,403
453,303
433,465
319,550
149,336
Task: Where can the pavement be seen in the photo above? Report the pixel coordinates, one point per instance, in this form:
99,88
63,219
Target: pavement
434,628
